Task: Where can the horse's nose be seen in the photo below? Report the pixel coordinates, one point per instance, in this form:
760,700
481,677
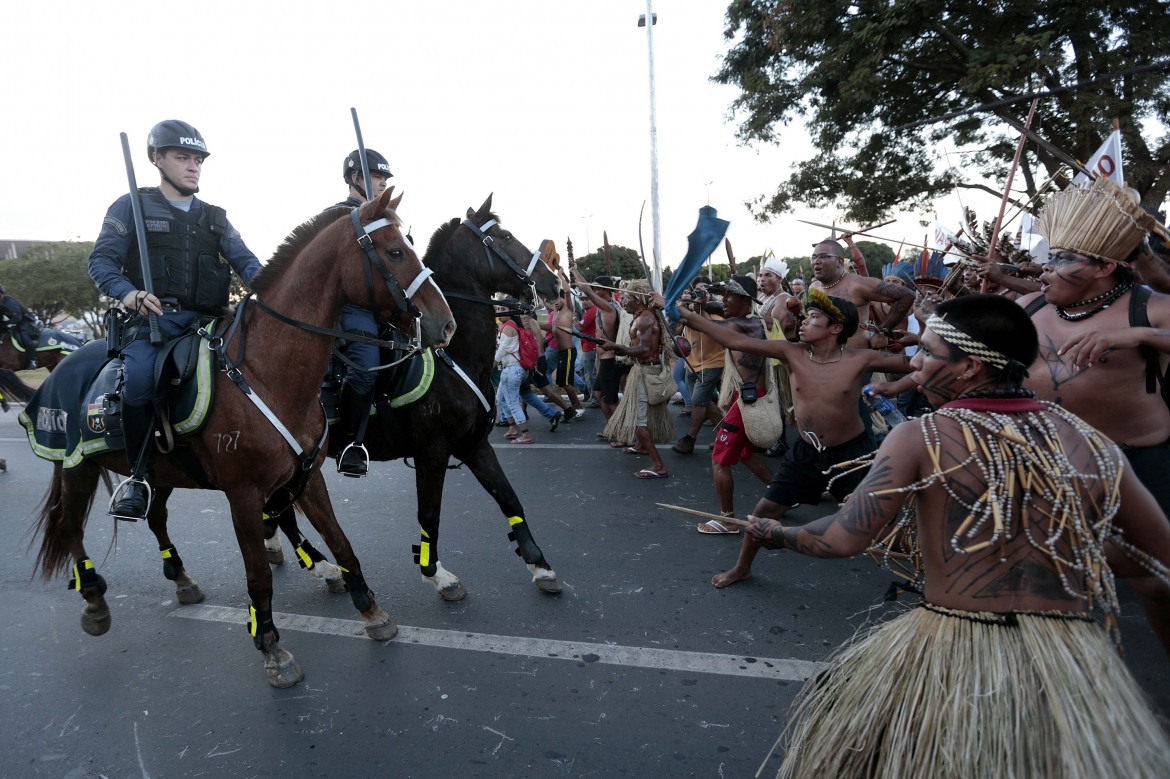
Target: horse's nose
448,331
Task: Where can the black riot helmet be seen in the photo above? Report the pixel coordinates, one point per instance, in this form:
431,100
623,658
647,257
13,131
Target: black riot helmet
174,134
353,164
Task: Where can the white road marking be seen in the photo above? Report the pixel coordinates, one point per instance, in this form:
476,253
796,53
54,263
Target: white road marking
782,669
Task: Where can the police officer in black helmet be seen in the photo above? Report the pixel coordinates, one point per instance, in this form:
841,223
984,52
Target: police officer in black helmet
15,317
358,390
193,249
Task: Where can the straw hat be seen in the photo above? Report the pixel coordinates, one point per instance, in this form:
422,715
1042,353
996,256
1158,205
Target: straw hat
1103,220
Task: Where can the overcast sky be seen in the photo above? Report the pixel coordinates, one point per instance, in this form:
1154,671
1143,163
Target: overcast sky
545,103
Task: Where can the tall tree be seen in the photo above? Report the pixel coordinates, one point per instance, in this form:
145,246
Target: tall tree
852,71
50,279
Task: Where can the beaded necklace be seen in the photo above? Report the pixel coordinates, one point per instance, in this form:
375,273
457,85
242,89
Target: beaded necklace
835,283
1032,491
840,356
1107,297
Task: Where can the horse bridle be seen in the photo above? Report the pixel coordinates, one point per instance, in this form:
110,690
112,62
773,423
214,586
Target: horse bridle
490,248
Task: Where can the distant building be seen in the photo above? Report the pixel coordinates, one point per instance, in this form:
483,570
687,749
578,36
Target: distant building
10,250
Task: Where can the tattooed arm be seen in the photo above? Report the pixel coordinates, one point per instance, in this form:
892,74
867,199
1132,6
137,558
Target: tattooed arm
865,514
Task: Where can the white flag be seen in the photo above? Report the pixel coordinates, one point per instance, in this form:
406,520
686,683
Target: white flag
1106,162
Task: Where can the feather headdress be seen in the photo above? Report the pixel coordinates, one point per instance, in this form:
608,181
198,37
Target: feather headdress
815,298
1103,220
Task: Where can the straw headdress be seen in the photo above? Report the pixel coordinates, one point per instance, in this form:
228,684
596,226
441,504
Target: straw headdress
1103,220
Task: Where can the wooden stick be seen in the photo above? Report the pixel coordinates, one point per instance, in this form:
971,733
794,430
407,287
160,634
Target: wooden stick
1007,190
716,517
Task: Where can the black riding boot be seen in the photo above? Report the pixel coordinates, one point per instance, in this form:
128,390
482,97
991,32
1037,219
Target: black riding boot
138,434
354,460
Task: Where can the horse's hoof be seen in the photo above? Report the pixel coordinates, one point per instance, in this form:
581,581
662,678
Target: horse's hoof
453,592
96,623
381,627
189,595
286,674
552,585
336,585
275,556
281,667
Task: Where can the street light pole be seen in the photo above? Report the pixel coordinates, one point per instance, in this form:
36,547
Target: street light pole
588,249
649,20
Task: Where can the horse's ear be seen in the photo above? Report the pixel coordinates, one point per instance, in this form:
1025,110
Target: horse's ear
483,211
384,200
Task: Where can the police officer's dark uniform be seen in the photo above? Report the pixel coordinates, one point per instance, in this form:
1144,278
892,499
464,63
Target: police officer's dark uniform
358,390
192,249
15,317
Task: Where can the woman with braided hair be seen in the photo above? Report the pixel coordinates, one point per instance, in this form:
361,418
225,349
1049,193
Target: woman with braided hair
1000,508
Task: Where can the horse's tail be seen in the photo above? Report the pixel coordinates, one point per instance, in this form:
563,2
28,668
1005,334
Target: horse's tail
13,388
54,526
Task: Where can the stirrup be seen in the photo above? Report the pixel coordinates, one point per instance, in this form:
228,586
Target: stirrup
124,487
365,465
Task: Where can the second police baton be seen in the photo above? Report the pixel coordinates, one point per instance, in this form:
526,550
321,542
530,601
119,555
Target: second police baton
156,337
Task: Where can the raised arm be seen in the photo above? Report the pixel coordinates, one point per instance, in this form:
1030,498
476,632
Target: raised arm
900,298
733,339
869,509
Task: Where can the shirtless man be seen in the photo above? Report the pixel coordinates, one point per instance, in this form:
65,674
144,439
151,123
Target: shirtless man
1095,364
827,377
562,324
774,300
1003,612
645,349
828,266
607,328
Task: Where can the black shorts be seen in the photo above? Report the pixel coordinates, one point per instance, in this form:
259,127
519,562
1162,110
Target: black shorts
566,367
801,477
607,380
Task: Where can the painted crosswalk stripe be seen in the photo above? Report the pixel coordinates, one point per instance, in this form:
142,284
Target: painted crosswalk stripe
781,669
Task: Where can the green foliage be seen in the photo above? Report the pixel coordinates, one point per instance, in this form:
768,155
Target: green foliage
876,255
624,263
854,70
50,279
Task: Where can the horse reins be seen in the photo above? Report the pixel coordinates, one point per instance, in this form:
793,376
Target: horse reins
490,249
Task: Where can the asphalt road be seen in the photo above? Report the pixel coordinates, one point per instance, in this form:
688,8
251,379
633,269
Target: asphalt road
639,668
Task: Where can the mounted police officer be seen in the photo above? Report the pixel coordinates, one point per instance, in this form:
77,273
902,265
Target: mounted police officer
15,317
192,250
358,390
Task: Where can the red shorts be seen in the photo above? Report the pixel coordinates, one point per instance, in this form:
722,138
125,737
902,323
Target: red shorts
731,442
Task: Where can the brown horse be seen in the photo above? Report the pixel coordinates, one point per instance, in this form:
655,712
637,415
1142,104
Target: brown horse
57,347
472,258
280,348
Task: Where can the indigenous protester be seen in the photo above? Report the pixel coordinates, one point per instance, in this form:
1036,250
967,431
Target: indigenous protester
827,378
358,389
642,414
15,318
202,249
796,286
828,265
704,366
1103,337
1002,671
779,321
732,442
588,356
606,391
562,324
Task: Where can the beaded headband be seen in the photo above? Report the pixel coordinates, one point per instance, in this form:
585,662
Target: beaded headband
956,337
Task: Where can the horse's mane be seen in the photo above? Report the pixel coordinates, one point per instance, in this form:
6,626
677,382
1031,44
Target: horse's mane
292,245
441,236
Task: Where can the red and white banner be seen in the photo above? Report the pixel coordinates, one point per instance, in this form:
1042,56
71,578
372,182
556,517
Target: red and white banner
1106,162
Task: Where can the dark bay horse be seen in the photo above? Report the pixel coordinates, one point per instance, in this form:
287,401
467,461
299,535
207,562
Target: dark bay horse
57,346
471,259
325,263
12,389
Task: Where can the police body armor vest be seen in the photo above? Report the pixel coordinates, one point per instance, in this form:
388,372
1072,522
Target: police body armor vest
185,261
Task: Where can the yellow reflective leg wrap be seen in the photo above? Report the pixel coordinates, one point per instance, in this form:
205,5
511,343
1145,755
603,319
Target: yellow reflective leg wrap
306,560
424,553
83,567
513,521
252,620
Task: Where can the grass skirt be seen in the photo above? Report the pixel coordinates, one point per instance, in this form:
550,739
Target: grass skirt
621,424
931,694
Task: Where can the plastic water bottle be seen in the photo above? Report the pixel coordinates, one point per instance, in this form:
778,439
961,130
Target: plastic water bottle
886,407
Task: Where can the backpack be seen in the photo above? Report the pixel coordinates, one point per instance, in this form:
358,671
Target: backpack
528,351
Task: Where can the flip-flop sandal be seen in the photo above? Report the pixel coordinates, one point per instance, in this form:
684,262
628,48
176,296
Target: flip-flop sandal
633,450
522,441
647,473
618,444
713,527
511,436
